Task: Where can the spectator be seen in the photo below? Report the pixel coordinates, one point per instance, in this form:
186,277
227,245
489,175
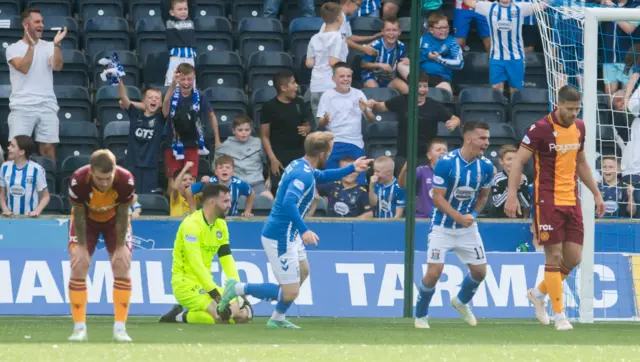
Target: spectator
325,50
181,34
440,53
340,112
622,119
380,70
182,181
463,15
390,8
430,112
224,175
385,195
306,8
32,102
618,196
186,109
145,136
283,126
630,164
531,38
248,156
23,186
346,198
632,69
135,209
369,8
424,177
349,7
501,183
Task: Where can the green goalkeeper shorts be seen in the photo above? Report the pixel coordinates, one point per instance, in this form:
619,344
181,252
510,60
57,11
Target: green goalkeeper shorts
192,296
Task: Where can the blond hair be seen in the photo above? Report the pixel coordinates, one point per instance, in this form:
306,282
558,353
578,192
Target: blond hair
317,143
386,161
103,161
507,149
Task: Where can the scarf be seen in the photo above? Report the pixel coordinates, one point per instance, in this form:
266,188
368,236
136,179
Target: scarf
177,145
113,70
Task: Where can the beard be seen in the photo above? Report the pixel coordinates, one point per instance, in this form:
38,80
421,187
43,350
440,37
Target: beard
220,214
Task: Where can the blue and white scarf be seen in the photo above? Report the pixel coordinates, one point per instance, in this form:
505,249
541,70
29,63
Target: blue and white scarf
177,146
113,70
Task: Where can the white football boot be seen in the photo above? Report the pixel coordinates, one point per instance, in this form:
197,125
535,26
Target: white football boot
465,312
422,323
538,304
79,335
120,335
562,324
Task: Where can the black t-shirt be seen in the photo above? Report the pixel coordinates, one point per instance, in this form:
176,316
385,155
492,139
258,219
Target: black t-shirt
429,114
145,136
186,120
284,119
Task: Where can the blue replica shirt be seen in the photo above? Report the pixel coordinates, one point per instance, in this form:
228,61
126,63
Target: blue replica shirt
450,56
615,199
368,7
345,202
236,186
388,56
293,199
463,181
389,197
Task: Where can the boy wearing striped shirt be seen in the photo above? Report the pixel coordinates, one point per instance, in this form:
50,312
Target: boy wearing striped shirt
379,71
386,197
181,34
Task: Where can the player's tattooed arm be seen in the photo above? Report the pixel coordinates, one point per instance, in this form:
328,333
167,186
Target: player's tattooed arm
122,224
80,223
483,196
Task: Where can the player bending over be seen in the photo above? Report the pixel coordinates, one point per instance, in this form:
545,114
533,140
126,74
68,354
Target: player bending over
201,236
461,184
556,143
284,231
101,193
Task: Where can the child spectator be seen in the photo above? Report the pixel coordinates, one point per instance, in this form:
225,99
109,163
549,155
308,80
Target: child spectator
380,70
23,186
346,198
135,209
618,196
424,177
145,136
248,156
390,8
340,111
181,34
369,8
181,182
500,184
349,8
463,15
325,50
385,195
440,53
224,175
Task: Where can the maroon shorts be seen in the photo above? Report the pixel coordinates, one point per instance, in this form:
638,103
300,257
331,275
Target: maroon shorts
172,165
557,224
94,230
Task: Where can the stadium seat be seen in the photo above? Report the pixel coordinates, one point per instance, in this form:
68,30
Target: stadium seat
56,206
10,8
142,9
453,138
210,8
366,25
204,168
77,139
475,72
5,77
264,65
53,23
300,32
5,92
354,59
107,106
67,168
220,68
93,8
382,139
153,205
535,74
259,35
51,172
129,61
155,69
258,99
527,106
381,95
105,33
213,33
51,7
74,103
10,30
227,103
150,36
443,97
405,35
241,9
481,104
75,70
501,134
116,138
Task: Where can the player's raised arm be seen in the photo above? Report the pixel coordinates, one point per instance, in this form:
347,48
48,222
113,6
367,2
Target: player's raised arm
584,173
360,165
193,257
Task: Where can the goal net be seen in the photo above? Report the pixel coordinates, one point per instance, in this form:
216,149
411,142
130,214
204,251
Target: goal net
586,45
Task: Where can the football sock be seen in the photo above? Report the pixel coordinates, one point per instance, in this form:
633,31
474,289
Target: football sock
542,290
180,318
424,299
264,291
281,309
468,289
553,280
78,299
121,297
198,318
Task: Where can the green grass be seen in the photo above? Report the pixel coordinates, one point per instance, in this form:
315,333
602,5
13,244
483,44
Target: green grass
320,339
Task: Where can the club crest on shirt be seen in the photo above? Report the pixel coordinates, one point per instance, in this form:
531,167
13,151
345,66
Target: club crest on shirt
219,234
152,123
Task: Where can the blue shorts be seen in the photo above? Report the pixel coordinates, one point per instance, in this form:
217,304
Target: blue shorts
614,73
501,71
342,150
462,23
365,76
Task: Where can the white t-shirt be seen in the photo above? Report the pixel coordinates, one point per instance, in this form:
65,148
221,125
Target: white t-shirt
36,87
345,115
322,46
345,29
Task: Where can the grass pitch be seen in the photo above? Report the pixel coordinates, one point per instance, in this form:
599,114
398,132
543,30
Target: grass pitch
320,339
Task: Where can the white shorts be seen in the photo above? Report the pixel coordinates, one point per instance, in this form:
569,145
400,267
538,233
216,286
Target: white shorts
174,62
43,120
286,267
466,243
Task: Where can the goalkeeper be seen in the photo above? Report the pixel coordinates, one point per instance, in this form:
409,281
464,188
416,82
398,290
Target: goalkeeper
200,237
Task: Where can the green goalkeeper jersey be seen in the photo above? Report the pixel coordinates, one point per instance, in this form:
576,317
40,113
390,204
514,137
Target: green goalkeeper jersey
197,243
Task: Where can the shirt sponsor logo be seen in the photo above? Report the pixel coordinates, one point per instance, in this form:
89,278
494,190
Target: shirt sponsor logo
546,228
526,140
464,193
298,184
504,25
564,148
17,190
191,238
438,180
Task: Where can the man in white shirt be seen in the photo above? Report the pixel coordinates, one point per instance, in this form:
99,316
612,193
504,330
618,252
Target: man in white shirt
340,112
32,102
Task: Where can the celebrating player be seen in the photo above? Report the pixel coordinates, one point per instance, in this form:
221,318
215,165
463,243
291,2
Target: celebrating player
557,144
101,193
201,236
284,231
461,184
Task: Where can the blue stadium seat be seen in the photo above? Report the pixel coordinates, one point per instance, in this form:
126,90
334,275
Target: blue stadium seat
153,205
93,8
75,70
443,97
259,35
5,92
68,166
381,95
129,61
107,106
475,71
501,134
142,9
209,8
453,138
56,206
366,25
10,8
258,99
527,106
51,172
5,77
535,74
74,103
10,30
77,139
227,103
220,68
53,23
290,10
246,9
116,138
105,34
51,7
155,69
264,65
405,35
213,33
481,104
382,138
151,37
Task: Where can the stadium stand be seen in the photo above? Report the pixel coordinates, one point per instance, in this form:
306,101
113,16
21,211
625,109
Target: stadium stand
107,107
220,68
74,103
154,205
105,33
213,33
264,65
227,103
75,70
115,136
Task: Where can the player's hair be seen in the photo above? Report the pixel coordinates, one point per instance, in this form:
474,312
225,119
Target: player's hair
612,158
391,20
424,78
339,65
436,141
329,12
469,126
347,159
317,143
241,119
385,160
26,144
507,149
186,68
151,90
26,14
569,94
177,172
103,161
211,191
174,2
281,79
225,160
435,18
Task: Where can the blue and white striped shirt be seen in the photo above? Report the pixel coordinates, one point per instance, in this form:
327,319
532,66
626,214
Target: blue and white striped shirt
505,24
367,7
183,52
528,20
236,186
22,186
389,198
463,181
